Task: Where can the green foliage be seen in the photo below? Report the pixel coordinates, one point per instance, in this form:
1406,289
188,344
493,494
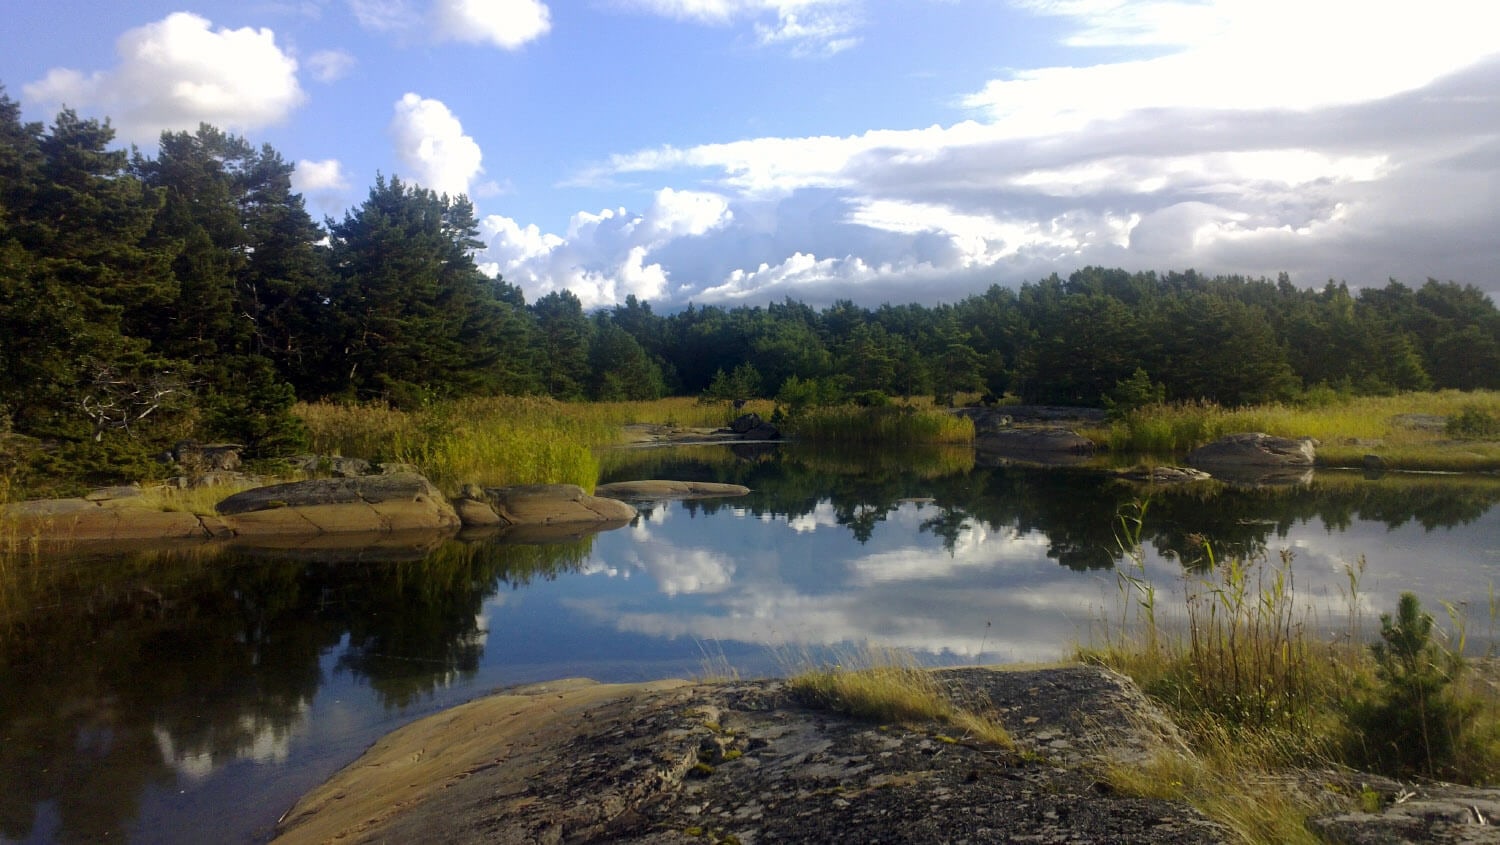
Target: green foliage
1416,720
1474,422
743,383
1135,392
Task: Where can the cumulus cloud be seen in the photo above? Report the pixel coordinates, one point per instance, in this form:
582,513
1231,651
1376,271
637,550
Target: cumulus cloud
330,65
806,27
179,72
431,145
508,24
603,257
505,23
1202,152
323,182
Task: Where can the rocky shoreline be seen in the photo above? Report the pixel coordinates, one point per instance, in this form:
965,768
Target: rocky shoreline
678,762
746,762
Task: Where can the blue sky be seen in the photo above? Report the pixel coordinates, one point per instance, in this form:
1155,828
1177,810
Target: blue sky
743,151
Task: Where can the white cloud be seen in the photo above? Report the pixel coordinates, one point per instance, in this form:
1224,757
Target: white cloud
508,24
325,175
1203,153
430,142
179,72
603,257
330,65
806,27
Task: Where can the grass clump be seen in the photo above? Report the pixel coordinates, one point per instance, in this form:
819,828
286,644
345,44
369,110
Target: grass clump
886,687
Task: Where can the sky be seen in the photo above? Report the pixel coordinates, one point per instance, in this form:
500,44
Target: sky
746,151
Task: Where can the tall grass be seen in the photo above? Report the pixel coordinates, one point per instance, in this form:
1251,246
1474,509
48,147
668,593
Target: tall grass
1347,428
488,441
891,424
1258,685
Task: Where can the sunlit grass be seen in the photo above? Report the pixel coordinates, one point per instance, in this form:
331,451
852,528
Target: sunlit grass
893,424
887,686
1347,429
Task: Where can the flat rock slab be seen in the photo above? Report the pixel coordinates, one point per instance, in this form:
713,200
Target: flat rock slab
680,763
377,503
555,504
656,490
98,519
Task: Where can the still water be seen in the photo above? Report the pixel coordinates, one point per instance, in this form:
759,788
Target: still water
185,696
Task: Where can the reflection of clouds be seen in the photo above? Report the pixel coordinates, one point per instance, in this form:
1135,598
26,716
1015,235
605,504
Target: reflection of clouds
256,739
821,516
679,570
975,546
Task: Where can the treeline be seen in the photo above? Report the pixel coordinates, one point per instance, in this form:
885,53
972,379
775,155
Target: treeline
147,299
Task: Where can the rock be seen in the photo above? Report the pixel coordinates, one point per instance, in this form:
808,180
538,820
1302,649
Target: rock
477,514
745,761
342,467
555,504
1427,813
1254,449
764,431
1420,422
105,494
1373,463
1039,445
377,503
1164,475
119,517
743,423
195,458
651,490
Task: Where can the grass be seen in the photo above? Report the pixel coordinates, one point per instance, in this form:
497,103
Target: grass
887,686
896,424
194,500
1347,428
1258,688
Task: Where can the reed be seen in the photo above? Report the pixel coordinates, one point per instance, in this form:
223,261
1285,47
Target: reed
1258,686
897,424
1348,428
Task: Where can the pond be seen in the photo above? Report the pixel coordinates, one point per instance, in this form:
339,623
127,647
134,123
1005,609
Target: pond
157,695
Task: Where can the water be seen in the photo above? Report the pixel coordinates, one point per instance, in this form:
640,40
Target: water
158,696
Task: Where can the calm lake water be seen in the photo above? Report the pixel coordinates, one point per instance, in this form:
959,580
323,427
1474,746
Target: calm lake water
174,696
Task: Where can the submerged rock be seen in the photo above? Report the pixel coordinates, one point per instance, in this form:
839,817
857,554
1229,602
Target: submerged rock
655,489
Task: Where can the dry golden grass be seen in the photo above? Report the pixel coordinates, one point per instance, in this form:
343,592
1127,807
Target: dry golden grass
883,685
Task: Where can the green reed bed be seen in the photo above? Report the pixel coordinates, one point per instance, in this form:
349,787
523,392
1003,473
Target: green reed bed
882,425
493,441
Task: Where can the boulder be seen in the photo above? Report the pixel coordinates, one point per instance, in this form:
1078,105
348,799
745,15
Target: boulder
764,431
653,490
196,457
555,504
744,423
1254,449
376,504
1049,445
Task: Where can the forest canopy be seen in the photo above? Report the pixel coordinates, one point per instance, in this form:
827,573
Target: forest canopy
190,294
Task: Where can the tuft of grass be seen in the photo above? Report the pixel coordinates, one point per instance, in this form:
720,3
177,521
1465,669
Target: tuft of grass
889,687
195,500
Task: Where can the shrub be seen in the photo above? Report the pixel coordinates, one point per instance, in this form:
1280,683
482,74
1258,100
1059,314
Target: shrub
1473,423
